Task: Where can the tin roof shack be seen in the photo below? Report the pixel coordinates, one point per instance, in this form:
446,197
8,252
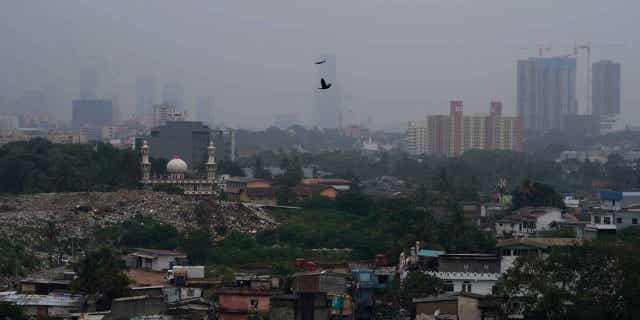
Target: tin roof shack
239,303
155,259
460,306
53,305
137,306
45,282
312,289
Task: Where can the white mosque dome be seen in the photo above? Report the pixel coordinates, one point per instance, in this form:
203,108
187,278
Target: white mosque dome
177,165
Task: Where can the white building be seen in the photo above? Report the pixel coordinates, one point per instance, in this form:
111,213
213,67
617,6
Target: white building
474,273
155,259
528,221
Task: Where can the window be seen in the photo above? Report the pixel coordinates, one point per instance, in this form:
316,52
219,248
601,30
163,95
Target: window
596,219
466,267
485,266
618,220
607,220
448,286
634,221
466,286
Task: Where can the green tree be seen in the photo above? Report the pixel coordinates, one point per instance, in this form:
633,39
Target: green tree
416,285
101,275
536,194
11,311
598,280
147,232
197,245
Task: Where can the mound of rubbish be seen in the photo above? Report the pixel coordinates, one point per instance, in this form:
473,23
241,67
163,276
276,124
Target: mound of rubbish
78,215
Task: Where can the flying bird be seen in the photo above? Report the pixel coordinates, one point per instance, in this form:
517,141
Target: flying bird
321,62
324,85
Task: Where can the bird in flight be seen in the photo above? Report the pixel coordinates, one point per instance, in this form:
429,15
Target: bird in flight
324,85
321,61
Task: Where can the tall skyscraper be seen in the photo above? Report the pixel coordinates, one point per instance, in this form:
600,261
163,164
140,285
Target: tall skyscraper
204,110
173,94
89,84
92,113
326,107
546,92
495,112
145,95
456,129
606,88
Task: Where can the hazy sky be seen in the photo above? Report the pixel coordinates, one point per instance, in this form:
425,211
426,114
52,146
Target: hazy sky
397,60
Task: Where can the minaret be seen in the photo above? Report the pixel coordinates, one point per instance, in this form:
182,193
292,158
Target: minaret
211,163
146,165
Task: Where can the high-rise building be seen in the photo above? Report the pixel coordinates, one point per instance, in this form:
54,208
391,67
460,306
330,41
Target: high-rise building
204,110
508,134
453,134
474,132
162,113
188,139
456,129
89,84
93,113
145,95
326,107
495,112
438,127
546,93
173,94
417,140
606,88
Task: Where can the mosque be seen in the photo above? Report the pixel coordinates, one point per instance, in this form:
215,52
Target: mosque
177,174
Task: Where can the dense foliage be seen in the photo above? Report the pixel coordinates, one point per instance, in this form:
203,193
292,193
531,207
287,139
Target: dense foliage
598,280
100,275
379,227
16,259
41,166
534,194
11,311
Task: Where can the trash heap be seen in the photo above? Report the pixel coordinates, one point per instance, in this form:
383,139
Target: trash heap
77,215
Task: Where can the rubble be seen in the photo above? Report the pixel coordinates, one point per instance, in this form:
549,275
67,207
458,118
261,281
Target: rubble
76,215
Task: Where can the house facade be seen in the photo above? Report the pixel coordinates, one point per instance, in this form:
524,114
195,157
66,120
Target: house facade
473,273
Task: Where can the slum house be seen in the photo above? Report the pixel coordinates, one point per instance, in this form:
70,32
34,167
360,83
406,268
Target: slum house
55,305
459,306
137,306
240,303
155,259
312,292
47,281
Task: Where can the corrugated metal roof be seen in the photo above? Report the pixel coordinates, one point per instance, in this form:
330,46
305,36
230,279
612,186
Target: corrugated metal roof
57,300
430,253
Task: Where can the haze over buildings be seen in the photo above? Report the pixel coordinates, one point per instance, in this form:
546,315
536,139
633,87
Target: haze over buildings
606,88
398,59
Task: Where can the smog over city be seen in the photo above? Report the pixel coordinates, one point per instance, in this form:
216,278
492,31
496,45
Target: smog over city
396,60
319,160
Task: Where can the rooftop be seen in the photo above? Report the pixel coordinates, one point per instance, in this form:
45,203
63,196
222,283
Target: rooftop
539,242
56,300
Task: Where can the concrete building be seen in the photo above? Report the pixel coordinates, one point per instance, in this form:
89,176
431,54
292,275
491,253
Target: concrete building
145,95
189,139
474,132
605,88
546,93
225,142
94,113
173,94
527,222
326,106
472,273
454,134
155,259
166,112
456,129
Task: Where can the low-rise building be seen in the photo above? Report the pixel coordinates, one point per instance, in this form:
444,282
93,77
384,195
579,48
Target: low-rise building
527,222
243,189
306,191
511,249
338,184
239,303
155,259
57,305
474,273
